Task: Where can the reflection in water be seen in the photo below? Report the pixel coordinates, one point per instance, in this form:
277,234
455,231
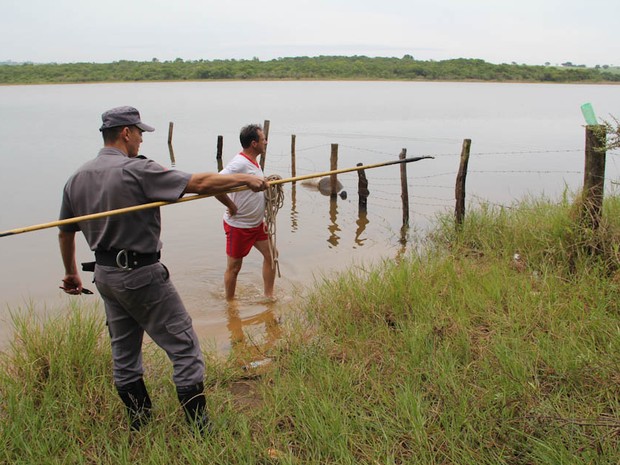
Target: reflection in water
362,214
400,254
333,228
294,213
252,336
362,221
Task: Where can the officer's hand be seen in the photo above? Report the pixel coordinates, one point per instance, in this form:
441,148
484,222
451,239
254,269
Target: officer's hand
72,284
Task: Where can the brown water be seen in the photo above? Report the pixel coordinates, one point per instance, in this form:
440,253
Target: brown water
526,139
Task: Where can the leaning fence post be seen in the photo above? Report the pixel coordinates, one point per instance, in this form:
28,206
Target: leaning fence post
170,127
404,188
264,155
293,169
218,155
334,166
594,175
362,188
459,191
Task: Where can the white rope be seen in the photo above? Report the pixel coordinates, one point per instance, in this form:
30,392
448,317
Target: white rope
274,199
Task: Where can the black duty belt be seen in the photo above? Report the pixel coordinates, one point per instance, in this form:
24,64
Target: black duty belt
126,259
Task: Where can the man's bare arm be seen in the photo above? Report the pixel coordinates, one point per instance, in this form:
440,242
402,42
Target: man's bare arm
213,183
72,283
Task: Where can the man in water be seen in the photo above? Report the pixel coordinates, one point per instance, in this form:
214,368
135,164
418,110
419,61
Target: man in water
134,285
244,217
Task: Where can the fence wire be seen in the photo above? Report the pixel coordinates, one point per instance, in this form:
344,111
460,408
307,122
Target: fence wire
385,186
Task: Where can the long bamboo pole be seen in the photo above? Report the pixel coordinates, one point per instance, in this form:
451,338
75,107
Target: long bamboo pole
146,206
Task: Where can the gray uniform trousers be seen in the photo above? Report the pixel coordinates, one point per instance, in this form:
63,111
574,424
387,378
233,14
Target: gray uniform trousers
142,300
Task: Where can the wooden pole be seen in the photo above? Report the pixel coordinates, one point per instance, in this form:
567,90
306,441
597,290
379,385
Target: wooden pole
459,191
189,198
594,175
362,188
170,149
264,155
404,188
333,163
218,155
293,155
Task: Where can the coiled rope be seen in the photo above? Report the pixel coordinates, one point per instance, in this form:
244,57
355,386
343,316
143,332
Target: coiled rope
274,199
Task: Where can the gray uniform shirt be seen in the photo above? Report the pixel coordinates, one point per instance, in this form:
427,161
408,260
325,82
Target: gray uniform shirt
113,180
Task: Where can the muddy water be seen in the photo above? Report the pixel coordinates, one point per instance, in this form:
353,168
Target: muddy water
527,139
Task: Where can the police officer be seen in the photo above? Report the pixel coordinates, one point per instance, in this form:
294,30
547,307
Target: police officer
134,285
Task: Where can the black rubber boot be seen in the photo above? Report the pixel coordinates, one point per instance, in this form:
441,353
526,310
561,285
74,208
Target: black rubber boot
194,404
136,399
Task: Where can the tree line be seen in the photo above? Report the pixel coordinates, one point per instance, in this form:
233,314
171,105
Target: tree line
321,67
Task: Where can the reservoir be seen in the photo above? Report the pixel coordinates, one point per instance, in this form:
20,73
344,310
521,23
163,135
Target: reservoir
527,140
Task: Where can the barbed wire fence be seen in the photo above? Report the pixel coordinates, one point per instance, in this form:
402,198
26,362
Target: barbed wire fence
434,192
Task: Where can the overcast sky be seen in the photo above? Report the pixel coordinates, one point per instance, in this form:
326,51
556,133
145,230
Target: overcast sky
498,31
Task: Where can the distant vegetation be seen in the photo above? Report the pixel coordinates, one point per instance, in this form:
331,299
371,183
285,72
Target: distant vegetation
322,67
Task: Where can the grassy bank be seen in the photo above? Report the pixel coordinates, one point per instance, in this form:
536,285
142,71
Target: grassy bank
463,355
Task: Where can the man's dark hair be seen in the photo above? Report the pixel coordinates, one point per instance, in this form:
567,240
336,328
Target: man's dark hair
111,134
248,134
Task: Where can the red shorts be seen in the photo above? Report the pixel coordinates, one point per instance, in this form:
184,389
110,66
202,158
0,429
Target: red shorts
239,241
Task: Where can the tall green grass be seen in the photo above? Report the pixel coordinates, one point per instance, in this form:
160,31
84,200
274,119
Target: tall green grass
458,355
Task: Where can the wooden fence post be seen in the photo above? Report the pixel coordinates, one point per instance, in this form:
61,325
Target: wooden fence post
334,166
404,188
264,155
459,191
218,155
594,175
362,188
170,128
293,168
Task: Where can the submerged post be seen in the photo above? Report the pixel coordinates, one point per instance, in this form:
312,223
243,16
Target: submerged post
362,188
170,149
594,175
333,179
264,154
293,168
218,155
404,188
459,191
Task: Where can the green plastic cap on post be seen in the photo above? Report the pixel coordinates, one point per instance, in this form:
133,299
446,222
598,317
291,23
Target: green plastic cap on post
588,114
